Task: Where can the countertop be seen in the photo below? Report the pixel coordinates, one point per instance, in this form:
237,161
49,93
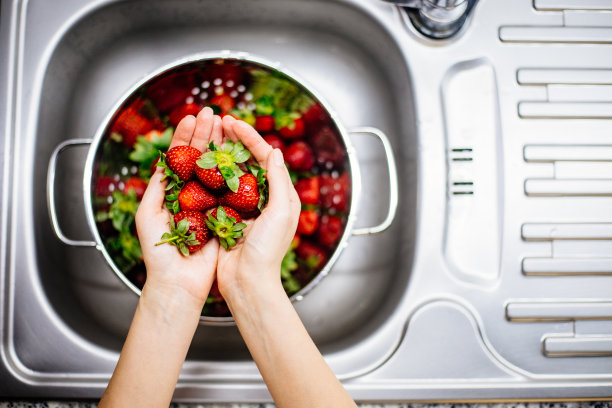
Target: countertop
585,404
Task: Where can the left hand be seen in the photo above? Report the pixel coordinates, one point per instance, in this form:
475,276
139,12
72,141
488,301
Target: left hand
170,275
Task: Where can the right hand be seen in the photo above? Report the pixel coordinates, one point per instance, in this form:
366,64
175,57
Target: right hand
254,263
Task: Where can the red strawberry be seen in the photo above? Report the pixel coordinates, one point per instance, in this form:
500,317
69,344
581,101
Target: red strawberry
230,212
226,224
308,190
172,90
131,122
105,186
182,161
275,141
137,184
183,110
294,130
264,123
194,196
215,292
225,102
314,118
299,156
196,219
313,255
334,191
227,75
211,178
327,147
187,231
330,230
246,198
308,222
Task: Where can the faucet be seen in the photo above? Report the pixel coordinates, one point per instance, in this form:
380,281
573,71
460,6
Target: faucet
437,19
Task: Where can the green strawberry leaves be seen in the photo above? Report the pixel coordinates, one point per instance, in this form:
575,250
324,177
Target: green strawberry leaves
226,160
178,236
174,187
262,184
225,227
146,151
288,265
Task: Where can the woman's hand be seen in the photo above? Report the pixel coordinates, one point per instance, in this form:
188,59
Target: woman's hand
170,275
254,263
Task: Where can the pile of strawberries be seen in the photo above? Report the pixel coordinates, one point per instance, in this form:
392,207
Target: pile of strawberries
210,194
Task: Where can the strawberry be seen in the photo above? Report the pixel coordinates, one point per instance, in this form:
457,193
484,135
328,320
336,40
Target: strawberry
225,161
187,231
230,212
130,123
223,102
105,186
327,148
183,110
334,191
182,161
293,130
136,183
314,118
246,198
308,222
172,90
313,255
225,223
299,156
308,190
264,123
275,141
215,293
194,196
211,178
330,230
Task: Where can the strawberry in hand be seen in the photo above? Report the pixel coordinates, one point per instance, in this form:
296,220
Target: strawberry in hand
225,223
194,196
225,162
187,231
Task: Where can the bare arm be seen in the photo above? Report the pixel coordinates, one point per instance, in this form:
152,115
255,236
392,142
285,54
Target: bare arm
169,308
249,278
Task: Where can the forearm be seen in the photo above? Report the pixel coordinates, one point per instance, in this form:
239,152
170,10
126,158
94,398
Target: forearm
153,353
292,367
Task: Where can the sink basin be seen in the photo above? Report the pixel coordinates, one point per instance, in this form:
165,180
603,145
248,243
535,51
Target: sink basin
343,52
492,282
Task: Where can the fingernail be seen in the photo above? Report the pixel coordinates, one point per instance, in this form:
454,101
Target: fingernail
278,157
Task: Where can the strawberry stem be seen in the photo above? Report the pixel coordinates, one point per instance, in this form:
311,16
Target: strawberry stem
171,239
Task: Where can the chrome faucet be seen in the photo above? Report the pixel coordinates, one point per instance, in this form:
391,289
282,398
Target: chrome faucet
436,19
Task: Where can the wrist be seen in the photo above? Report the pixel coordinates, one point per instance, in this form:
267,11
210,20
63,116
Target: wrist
246,293
171,304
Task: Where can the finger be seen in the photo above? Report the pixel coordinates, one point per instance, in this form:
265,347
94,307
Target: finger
184,131
203,129
282,197
228,128
252,141
153,199
216,135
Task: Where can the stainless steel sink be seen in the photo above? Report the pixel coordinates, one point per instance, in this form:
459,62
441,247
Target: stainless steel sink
447,304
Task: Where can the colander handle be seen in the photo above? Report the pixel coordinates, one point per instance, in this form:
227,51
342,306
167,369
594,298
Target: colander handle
393,181
51,192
